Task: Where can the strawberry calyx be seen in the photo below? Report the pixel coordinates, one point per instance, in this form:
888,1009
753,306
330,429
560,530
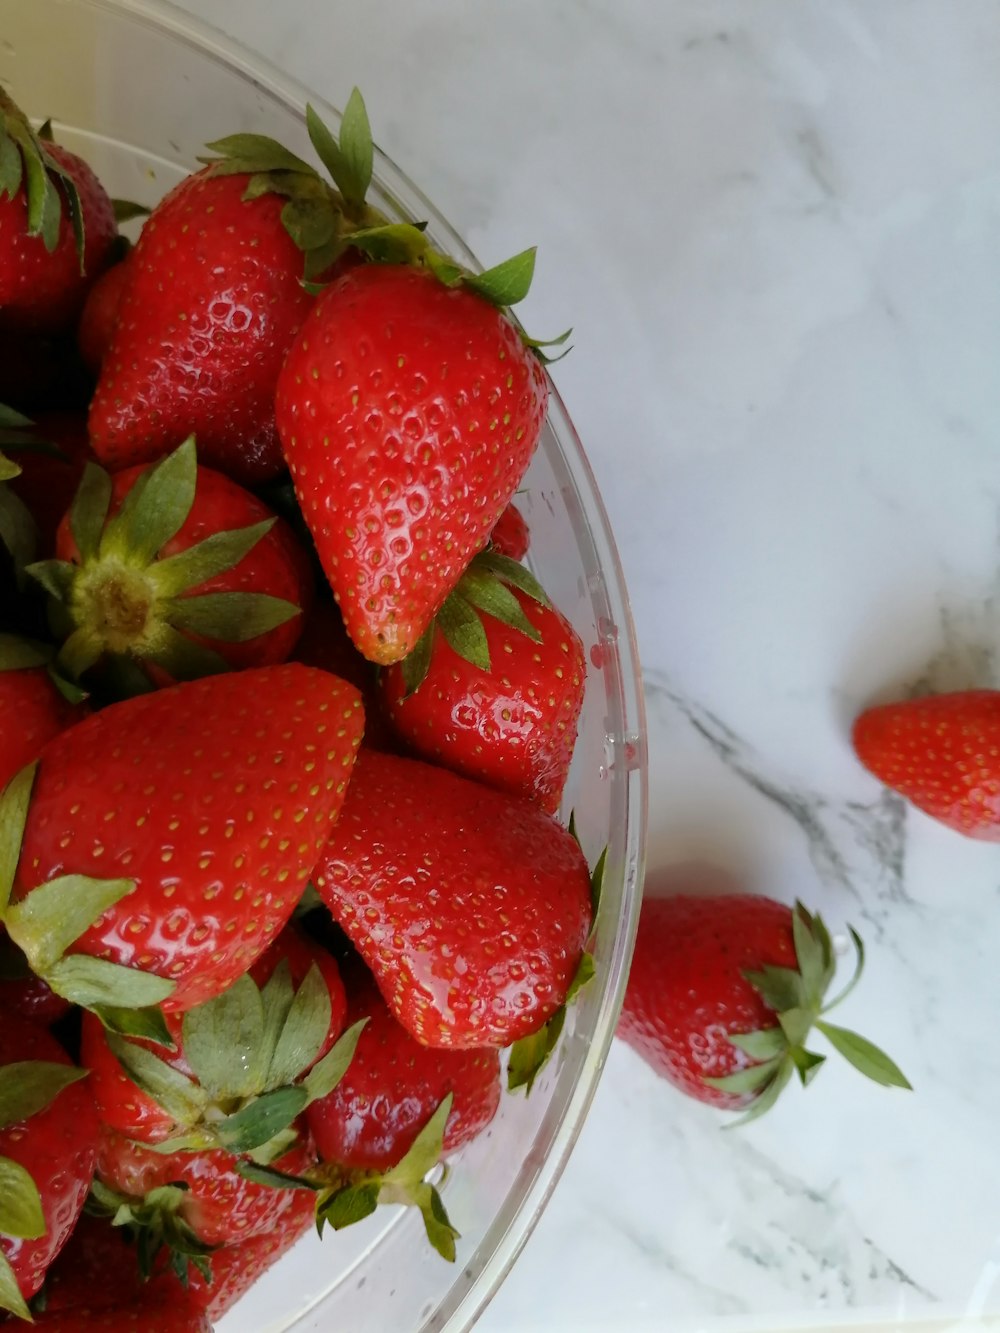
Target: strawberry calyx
529,1055
484,588
155,1223
26,163
26,1087
252,1052
797,997
345,1197
48,920
325,220
122,603
321,219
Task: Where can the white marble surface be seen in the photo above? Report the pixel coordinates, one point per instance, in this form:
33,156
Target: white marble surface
776,229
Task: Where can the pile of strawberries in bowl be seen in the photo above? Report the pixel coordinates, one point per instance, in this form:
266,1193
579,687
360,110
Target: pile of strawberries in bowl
291,897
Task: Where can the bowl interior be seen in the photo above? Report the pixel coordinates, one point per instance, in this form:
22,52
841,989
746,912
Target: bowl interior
137,88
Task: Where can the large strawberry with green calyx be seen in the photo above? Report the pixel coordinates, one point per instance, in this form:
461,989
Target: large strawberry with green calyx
172,572
48,1147
495,687
57,228
408,411
724,991
472,908
244,1066
214,296
166,840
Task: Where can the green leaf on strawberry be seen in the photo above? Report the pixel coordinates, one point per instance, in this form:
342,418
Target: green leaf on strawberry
25,159
119,600
28,1087
796,995
348,1202
530,1054
252,1055
14,802
10,1293
20,1203
484,587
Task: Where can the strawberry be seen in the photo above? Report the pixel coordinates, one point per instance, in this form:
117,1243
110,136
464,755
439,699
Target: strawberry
57,228
171,572
393,1086
408,411
471,907
99,316
32,708
510,536
202,809
235,1268
942,753
48,1146
199,1199
723,992
495,689
243,1066
215,296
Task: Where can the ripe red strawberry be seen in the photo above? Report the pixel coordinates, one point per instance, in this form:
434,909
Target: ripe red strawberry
723,992
182,826
99,316
219,1206
408,412
57,227
942,753
235,1268
510,536
195,576
495,690
32,709
48,1146
193,1090
471,907
212,303
393,1086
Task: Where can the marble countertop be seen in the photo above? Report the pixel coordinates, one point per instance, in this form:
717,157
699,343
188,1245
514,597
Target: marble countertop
776,229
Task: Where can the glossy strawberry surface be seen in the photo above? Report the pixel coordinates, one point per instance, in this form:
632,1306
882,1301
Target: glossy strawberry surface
512,726
686,990
471,907
408,413
213,301
215,797
221,1206
393,1086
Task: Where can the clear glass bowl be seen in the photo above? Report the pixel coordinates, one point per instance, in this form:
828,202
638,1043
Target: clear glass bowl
137,87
